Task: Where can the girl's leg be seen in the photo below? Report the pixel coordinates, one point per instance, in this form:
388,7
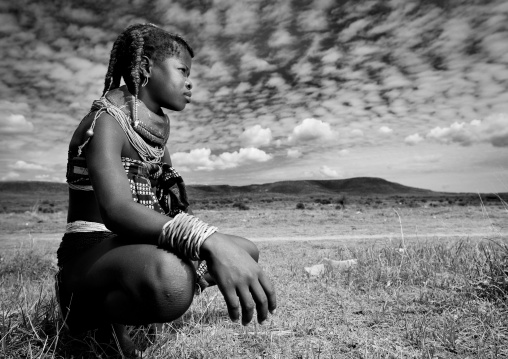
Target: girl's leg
114,282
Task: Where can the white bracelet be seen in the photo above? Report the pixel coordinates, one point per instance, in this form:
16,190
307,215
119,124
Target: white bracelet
185,234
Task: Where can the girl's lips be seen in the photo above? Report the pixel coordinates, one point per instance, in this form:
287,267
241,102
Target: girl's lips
188,96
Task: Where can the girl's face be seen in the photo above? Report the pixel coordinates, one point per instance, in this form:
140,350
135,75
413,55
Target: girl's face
169,85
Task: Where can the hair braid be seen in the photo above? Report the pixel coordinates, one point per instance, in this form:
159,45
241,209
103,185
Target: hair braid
109,81
136,49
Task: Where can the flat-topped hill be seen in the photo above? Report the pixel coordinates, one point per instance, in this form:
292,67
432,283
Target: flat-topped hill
19,196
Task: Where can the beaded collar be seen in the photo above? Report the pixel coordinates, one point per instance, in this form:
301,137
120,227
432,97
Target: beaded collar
151,127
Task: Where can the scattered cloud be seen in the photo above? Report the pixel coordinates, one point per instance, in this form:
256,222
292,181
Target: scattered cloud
256,136
15,124
22,165
385,130
328,172
427,158
203,160
294,153
413,139
280,37
312,129
250,62
493,129
293,68
11,175
357,132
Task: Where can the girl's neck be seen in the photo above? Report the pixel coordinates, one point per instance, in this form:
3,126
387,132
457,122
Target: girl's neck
149,103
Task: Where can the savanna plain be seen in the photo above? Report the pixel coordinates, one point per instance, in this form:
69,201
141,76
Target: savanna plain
429,280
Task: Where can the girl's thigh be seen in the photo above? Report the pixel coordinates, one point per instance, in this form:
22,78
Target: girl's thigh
115,282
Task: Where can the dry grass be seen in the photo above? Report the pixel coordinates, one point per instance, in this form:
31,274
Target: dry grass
420,298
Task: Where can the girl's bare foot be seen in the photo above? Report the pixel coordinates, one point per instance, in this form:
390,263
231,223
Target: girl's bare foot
115,338
154,330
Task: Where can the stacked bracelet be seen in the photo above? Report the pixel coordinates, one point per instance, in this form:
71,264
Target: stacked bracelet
185,234
201,282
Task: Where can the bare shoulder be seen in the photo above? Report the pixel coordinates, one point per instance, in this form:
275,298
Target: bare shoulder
105,127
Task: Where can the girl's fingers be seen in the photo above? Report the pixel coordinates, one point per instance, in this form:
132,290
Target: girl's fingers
247,304
259,296
232,302
269,292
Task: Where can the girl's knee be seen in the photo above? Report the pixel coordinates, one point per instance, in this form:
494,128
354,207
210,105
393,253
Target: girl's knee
169,285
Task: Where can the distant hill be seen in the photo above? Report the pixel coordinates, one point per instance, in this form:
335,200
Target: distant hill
33,187
20,196
352,186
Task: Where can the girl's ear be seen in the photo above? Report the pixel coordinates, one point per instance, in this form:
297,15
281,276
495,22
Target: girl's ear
146,66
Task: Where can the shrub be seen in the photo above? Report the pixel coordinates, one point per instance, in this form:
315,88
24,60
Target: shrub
241,206
300,205
341,200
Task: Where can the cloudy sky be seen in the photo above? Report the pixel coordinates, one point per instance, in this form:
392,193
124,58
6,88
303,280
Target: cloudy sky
412,91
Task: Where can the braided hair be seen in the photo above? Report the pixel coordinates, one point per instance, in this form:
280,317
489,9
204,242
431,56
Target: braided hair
129,48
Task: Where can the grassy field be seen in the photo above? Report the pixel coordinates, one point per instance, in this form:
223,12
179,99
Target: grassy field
416,291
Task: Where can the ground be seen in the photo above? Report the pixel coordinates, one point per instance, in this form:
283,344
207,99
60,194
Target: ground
429,283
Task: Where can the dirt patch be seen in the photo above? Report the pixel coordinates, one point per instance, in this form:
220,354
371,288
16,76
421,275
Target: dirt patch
346,226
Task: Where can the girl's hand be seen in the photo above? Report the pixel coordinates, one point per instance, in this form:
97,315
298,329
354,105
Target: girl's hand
240,279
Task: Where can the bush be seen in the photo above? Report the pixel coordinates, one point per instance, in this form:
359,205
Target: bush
341,200
241,206
300,205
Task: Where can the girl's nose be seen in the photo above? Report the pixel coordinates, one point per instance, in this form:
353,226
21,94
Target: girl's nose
188,84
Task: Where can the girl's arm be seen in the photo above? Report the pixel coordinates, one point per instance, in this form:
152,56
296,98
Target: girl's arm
167,157
240,279
119,212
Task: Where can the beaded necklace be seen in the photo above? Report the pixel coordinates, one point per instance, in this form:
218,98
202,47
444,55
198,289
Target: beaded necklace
150,127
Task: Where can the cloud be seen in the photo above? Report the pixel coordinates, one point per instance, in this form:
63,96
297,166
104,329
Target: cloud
426,159
48,178
385,130
15,124
241,19
78,14
353,29
202,159
328,172
277,81
331,56
312,130
249,62
8,24
10,176
219,71
413,139
410,69
280,37
497,46
457,132
22,165
312,20
357,132
293,153
493,129
242,87
256,136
